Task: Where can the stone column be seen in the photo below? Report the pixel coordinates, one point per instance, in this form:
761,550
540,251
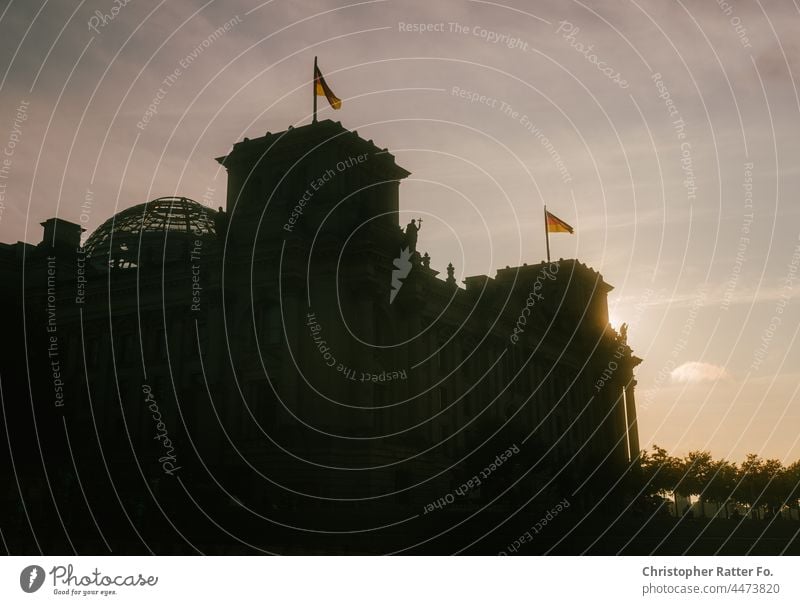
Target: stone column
633,425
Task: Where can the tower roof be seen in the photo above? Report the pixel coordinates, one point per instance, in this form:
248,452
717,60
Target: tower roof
301,140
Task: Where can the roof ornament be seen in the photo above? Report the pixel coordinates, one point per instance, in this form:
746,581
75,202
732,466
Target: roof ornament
451,274
412,229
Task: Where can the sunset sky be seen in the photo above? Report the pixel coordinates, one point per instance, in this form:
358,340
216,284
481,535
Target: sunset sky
666,132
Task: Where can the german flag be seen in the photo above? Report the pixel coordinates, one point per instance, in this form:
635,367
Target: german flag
556,225
323,90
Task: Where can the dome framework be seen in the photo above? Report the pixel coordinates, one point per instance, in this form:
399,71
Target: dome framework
156,228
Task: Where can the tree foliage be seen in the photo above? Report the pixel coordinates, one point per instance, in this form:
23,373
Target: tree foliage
762,488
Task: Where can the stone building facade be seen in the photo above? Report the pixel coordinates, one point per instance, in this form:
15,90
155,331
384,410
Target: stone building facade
291,370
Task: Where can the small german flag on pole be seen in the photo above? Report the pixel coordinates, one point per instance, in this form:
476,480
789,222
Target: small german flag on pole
553,224
321,89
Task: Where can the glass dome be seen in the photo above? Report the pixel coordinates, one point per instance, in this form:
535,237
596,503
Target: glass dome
158,230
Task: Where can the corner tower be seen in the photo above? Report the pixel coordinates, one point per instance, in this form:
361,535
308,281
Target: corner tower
305,182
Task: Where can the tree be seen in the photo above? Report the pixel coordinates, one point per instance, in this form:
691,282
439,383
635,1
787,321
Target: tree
697,467
791,479
755,475
662,472
761,485
722,483
775,491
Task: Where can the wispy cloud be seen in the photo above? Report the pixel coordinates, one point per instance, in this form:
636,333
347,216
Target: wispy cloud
698,371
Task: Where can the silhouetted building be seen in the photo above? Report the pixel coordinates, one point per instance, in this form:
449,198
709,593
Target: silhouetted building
291,366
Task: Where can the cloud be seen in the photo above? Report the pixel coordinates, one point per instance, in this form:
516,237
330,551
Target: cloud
698,371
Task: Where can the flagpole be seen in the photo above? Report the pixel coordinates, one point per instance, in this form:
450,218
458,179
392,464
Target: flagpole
314,86
546,234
